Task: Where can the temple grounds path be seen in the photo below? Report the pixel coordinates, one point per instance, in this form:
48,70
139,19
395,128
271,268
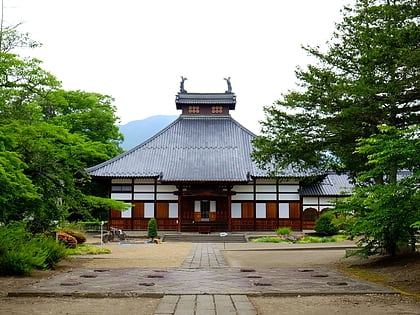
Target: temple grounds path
189,265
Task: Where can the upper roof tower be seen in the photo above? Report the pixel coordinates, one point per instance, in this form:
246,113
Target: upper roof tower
205,103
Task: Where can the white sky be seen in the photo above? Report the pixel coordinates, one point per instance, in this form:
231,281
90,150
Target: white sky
136,50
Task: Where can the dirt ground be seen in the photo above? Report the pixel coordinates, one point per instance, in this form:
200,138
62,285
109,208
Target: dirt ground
403,274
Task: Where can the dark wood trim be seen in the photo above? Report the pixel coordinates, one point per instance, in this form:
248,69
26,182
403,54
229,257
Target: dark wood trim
254,210
179,193
155,197
229,210
132,202
277,202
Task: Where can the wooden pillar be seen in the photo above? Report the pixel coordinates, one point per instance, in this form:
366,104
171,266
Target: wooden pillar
254,211
179,207
155,198
229,208
277,202
132,202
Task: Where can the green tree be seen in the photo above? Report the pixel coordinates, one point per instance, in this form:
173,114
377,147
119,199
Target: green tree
368,76
22,84
86,113
384,213
152,228
356,110
18,195
48,137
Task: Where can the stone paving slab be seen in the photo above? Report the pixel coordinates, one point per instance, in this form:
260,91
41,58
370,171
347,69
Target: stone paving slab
205,304
217,281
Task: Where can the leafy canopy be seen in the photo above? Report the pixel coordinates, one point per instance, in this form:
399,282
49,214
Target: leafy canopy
48,136
356,110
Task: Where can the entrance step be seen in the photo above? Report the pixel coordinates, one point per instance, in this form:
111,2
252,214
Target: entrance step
205,238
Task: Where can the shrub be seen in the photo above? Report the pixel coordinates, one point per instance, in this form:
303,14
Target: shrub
78,235
87,249
284,231
152,228
325,226
14,262
54,251
67,239
267,239
21,252
18,255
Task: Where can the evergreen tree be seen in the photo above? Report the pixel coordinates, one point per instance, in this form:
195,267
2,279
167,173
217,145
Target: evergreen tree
152,229
369,76
357,110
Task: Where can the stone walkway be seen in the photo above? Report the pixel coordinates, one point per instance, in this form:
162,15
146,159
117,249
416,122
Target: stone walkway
207,256
204,284
205,304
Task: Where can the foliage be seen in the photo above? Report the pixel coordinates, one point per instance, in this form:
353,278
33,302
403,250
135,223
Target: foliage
87,249
88,114
21,252
78,235
48,137
11,39
356,110
17,190
323,239
384,213
17,256
324,225
269,239
152,229
367,77
304,240
384,216
67,239
54,251
283,231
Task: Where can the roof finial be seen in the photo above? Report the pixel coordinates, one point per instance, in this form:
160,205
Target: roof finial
182,90
229,90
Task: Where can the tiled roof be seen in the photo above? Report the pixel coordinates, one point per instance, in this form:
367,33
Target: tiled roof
205,99
332,185
193,148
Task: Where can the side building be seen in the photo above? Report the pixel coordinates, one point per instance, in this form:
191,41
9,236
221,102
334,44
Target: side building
197,175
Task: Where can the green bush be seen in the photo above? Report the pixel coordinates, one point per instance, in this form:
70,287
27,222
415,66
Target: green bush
18,256
325,226
54,251
20,262
78,235
21,252
284,231
152,228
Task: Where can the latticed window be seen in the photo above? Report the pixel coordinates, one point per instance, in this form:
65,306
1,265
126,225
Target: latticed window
205,209
193,109
217,109
121,188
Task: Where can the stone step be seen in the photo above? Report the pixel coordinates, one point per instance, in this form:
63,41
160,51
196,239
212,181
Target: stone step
205,238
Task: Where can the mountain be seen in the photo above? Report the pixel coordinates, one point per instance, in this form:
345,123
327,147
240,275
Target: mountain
137,131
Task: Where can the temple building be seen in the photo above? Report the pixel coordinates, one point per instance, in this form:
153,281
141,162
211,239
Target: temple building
197,175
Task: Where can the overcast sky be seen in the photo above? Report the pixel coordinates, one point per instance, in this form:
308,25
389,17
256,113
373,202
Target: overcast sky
137,50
